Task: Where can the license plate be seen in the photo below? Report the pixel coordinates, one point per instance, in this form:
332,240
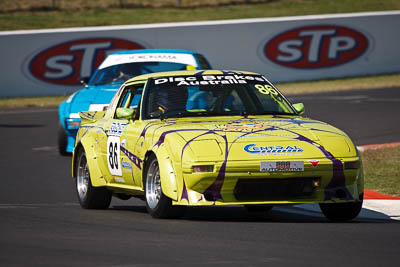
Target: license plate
282,166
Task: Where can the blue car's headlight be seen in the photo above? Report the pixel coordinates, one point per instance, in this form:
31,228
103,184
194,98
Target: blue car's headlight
73,123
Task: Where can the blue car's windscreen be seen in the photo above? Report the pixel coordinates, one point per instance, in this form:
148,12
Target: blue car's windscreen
123,72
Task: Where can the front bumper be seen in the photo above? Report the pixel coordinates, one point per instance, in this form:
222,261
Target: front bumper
71,136
243,183
71,127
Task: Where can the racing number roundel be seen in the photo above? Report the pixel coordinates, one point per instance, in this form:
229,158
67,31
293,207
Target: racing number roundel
113,155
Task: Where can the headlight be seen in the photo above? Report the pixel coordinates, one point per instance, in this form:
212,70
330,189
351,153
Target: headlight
73,123
203,168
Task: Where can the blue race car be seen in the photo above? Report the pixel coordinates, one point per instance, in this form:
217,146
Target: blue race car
113,71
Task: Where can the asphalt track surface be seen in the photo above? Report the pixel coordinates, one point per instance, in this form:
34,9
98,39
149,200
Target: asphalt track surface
41,223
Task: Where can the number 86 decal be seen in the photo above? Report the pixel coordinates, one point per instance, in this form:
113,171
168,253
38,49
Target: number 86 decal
266,89
113,155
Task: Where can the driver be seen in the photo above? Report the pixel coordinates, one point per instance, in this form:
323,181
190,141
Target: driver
170,99
125,72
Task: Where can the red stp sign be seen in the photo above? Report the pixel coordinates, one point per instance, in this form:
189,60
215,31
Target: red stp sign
316,46
65,63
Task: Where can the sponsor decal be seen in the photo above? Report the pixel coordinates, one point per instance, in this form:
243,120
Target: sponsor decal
149,57
116,129
65,63
317,46
243,127
314,162
281,166
125,164
255,127
255,150
123,142
119,180
133,158
210,79
266,135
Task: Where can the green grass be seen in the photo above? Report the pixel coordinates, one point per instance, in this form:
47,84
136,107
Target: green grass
382,170
369,82
31,102
17,20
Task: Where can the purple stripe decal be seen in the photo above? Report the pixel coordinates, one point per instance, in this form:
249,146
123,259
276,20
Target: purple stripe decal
184,192
338,181
133,158
214,190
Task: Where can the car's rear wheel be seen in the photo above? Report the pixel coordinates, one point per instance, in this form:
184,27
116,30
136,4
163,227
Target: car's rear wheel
62,140
341,212
90,197
158,204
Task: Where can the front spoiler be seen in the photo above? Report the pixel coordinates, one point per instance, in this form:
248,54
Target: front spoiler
193,198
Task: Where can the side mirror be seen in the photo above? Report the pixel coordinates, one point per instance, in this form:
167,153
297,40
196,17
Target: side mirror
299,107
125,113
84,81
190,67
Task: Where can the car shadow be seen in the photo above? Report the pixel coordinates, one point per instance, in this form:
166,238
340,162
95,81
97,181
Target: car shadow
138,209
305,213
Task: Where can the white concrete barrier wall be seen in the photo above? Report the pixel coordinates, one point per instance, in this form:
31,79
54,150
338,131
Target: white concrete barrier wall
50,62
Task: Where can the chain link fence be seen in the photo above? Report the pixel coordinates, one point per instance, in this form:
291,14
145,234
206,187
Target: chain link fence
43,5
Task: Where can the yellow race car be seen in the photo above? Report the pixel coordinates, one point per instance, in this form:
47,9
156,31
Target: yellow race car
203,138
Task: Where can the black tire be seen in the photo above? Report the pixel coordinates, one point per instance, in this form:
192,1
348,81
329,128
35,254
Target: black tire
157,204
89,197
62,141
342,212
257,209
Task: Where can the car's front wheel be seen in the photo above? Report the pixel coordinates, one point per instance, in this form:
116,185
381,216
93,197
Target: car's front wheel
341,212
157,204
90,197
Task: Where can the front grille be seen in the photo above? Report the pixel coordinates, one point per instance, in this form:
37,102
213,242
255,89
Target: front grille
274,189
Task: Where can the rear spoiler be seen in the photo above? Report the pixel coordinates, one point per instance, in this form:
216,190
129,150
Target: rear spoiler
91,116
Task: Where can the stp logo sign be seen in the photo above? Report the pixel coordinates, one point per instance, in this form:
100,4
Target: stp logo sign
65,63
316,46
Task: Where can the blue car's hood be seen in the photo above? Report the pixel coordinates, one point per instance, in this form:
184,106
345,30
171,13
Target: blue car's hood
93,98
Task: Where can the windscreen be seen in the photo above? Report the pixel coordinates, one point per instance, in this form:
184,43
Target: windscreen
213,95
118,74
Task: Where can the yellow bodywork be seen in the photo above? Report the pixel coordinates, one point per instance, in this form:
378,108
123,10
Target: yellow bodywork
216,160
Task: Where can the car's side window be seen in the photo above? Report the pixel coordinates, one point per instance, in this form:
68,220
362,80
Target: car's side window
125,99
130,98
204,65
